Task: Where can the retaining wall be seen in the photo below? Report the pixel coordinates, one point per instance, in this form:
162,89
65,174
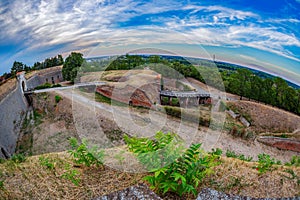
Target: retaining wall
12,109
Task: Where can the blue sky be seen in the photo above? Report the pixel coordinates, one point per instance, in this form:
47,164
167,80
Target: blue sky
259,34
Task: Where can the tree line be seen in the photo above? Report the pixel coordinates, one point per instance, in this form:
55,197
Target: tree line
20,66
273,91
247,84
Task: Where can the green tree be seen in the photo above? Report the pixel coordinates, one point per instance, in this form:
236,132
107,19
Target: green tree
71,66
60,60
290,101
268,94
240,82
280,86
256,89
154,59
17,67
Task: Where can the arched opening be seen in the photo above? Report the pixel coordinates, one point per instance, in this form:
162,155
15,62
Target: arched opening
23,86
130,103
4,153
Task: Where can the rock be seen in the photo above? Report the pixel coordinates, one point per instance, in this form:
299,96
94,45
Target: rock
281,143
137,192
210,194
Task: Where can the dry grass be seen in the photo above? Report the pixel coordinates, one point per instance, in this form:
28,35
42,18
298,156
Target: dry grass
267,118
32,180
234,176
7,87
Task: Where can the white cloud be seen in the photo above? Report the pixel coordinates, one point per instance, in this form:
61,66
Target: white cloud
84,23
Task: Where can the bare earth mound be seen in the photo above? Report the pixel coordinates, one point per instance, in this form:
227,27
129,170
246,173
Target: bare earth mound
265,118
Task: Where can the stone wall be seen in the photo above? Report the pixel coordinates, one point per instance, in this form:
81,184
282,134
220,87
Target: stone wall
52,77
12,109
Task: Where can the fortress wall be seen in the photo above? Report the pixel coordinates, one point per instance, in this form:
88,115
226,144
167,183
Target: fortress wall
52,77
34,81
12,109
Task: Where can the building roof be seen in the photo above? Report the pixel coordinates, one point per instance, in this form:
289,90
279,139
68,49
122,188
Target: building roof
195,94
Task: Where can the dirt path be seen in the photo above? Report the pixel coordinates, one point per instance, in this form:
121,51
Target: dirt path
88,116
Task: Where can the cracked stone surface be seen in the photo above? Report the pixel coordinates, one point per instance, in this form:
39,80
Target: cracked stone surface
210,194
137,192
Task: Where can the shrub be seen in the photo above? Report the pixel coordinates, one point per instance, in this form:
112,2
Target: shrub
71,175
18,158
173,111
295,161
1,185
185,174
232,154
217,152
157,152
265,163
49,164
46,85
84,155
57,98
185,171
43,86
192,117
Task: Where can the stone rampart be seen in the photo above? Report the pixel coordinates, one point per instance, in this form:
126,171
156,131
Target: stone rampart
14,106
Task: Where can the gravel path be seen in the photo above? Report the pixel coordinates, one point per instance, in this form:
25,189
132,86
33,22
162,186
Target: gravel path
140,123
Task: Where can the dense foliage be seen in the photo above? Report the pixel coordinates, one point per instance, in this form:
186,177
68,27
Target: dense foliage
181,176
157,152
82,154
49,62
71,66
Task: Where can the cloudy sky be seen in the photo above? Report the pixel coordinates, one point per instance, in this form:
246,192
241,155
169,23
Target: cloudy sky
256,33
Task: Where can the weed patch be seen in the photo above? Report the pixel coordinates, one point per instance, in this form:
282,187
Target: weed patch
185,171
18,158
58,98
265,163
71,175
232,154
84,155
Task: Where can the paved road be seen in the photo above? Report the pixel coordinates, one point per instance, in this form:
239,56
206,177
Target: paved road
66,87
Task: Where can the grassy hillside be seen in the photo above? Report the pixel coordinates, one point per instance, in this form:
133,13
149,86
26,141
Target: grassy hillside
59,176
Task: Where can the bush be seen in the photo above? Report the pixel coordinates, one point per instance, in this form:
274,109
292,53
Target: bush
232,154
173,111
18,158
185,174
44,86
57,98
192,117
157,152
181,176
217,152
71,175
295,161
49,164
1,185
83,155
265,163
